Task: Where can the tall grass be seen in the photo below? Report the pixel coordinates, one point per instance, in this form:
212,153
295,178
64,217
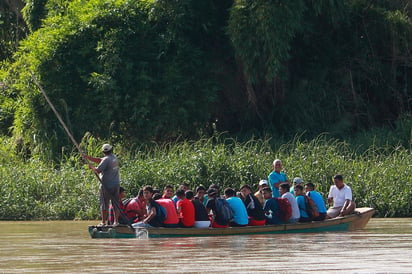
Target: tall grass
379,177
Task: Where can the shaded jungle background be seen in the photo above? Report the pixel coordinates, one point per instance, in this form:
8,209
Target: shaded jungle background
150,76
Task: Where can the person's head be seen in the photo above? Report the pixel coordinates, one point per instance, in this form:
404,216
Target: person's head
262,184
229,192
200,191
297,181
168,191
215,186
245,190
184,186
121,193
277,165
309,187
211,193
189,194
338,180
157,196
298,190
147,192
107,149
180,194
267,193
284,188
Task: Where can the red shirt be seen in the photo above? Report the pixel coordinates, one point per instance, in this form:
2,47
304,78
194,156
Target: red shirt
187,212
171,212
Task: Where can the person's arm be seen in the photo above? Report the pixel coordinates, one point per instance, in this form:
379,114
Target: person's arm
92,159
345,208
330,195
151,215
92,167
178,208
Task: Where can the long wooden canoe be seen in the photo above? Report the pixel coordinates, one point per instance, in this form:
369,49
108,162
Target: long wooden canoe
352,222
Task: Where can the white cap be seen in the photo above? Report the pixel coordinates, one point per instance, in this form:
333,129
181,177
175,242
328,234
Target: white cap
263,182
106,148
297,180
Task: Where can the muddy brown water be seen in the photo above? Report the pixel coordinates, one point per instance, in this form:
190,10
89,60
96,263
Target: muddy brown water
384,246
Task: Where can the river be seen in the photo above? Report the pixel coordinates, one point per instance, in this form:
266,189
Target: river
384,246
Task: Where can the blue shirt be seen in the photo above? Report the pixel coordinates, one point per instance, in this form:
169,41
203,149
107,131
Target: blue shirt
241,217
274,178
302,206
317,198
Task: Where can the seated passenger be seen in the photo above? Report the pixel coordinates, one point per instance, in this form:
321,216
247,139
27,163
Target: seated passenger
317,198
240,213
253,206
123,219
217,219
340,195
184,187
296,182
168,192
258,194
284,192
206,196
172,220
300,199
185,208
136,208
271,207
201,217
151,219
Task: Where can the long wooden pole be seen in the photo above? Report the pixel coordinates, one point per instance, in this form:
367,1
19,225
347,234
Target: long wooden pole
59,118
115,203
56,113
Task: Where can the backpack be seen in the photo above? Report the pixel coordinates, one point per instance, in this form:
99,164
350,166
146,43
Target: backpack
161,213
224,212
285,209
127,201
311,207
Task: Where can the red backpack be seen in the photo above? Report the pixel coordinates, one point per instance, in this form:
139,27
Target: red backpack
285,209
311,207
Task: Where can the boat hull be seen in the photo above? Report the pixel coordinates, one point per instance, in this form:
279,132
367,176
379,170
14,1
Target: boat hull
348,223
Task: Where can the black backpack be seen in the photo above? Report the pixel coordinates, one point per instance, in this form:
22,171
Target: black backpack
224,213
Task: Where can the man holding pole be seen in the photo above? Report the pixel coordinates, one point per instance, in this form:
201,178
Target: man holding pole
108,169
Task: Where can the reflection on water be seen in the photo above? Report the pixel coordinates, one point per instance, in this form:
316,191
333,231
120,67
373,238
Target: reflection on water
65,247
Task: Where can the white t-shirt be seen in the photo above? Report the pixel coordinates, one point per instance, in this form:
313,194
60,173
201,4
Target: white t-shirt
294,204
340,195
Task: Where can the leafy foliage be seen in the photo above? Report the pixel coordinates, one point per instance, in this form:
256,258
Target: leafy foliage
142,71
34,190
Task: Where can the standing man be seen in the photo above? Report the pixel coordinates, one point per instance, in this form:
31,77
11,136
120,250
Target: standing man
108,170
340,195
276,178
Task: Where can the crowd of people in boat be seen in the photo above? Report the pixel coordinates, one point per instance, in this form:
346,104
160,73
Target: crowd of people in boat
276,201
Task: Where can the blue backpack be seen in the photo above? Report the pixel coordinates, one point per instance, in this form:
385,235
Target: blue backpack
160,215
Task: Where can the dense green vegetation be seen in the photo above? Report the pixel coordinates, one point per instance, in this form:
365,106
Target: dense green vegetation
33,190
141,71
159,78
